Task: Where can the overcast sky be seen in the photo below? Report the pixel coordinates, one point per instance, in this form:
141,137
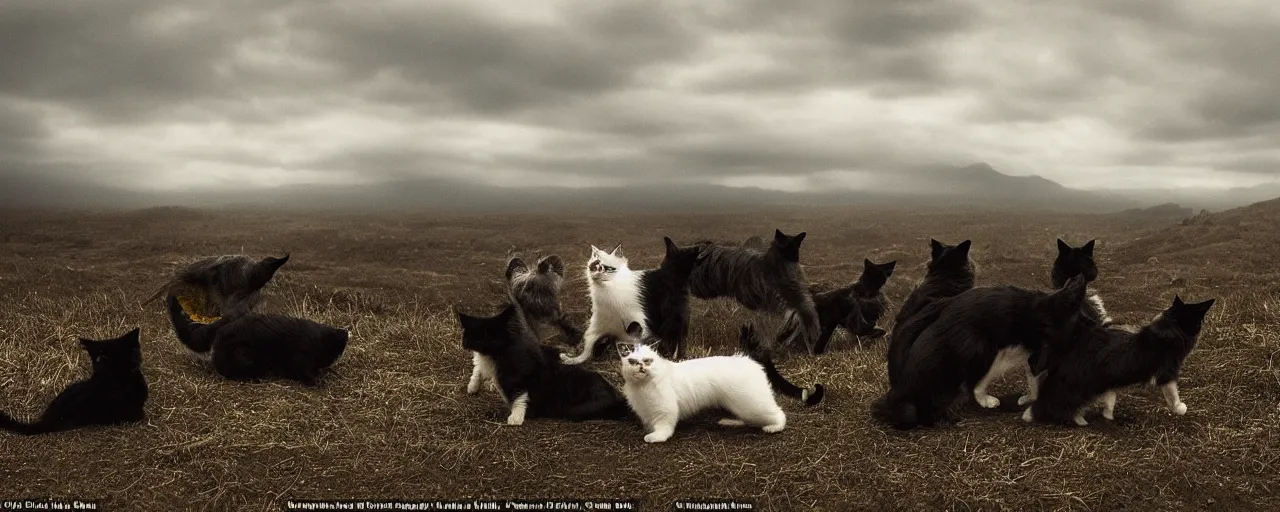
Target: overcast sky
785,93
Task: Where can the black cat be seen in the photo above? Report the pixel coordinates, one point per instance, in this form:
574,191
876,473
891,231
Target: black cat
1094,364
114,393
221,285
255,346
1078,261
530,376
857,307
950,273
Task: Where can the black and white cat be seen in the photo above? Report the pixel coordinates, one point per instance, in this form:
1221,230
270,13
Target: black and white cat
950,273
114,394
1076,261
977,336
771,281
537,291
255,346
662,392
1091,366
530,377
657,298
857,307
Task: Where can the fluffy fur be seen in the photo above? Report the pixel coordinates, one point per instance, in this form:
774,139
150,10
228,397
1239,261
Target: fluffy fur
221,285
771,281
949,273
530,377
857,307
1091,367
114,393
537,291
662,392
977,336
255,346
1078,261
657,298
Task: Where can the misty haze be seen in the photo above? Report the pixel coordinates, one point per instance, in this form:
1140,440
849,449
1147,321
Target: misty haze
369,244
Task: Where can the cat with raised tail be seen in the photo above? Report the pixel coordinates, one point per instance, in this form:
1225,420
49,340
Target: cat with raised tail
1091,366
977,336
255,346
856,308
530,377
949,273
217,286
114,394
656,298
662,392
771,281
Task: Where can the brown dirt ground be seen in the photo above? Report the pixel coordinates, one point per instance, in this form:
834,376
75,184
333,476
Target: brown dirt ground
393,421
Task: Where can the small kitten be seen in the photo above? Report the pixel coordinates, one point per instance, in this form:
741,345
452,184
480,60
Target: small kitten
949,274
977,336
1093,365
114,393
530,377
856,307
657,298
537,291
771,281
221,285
662,392
255,346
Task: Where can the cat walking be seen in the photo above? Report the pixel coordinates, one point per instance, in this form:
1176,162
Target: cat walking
856,308
114,394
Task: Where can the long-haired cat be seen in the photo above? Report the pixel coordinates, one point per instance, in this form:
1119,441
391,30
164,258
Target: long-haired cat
770,281
530,377
1091,367
857,307
537,291
949,273
977,336
256,346
657,298
662,392
114,393
220,285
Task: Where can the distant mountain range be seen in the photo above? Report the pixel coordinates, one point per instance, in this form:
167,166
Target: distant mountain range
977,185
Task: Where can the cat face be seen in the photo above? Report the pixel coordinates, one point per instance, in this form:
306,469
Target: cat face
640,363
948,257
124,352
1073,262
874,276
1188,317
787,246
604,266
487,335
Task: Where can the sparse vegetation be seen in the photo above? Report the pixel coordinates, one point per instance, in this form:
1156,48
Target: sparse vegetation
393,421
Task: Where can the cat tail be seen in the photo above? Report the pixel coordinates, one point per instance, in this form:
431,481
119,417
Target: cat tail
189,333
899,413
19,427
750,344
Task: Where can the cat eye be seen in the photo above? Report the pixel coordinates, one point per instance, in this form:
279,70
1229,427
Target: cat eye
608,268
648,360
632,361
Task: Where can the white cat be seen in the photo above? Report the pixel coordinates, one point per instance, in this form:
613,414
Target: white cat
615,300
662,392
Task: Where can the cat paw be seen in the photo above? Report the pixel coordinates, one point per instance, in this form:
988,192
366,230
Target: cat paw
655,438
1026,399
1026,415
473,388
731,422
1179,408
515,421
1109,415
987,401
567,359
773,429
1080,421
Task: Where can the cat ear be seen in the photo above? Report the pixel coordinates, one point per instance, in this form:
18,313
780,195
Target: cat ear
888,267
617,251
1203,307
132,336
935,248
796,240
1063,248
1177,301
867,264
671,246
624,349
963,248
1088,248
778,236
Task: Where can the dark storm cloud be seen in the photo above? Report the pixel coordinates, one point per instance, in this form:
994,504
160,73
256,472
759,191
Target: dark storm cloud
589,92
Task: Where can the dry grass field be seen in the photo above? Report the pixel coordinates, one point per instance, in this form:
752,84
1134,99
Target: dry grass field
393,420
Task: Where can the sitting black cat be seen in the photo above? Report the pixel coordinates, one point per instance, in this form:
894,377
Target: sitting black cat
114,393
857,307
